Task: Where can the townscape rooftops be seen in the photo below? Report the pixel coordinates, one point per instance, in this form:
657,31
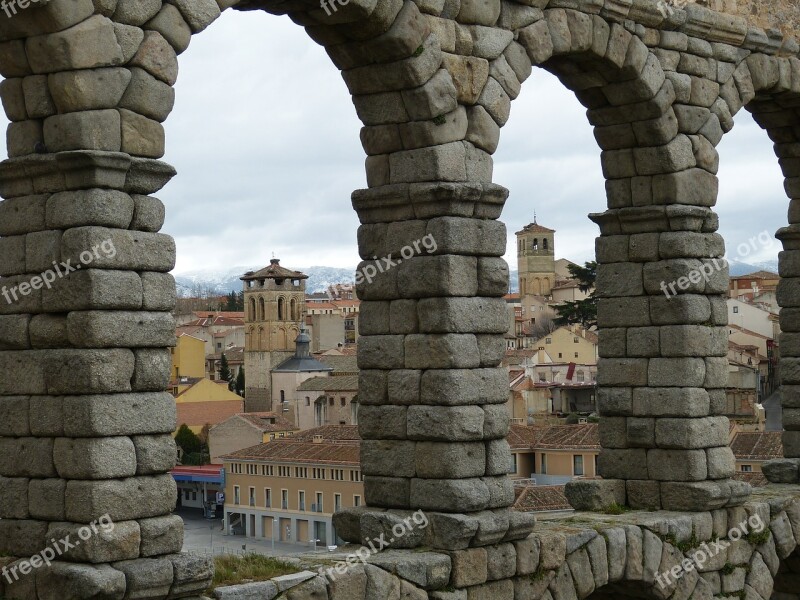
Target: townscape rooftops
341,364
340,445
273,271
268,421
340,383
762,274
762,445
555,437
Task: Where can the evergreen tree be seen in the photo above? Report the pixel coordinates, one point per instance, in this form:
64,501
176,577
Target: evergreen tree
187,440
239,385
232,300
224,369
582,312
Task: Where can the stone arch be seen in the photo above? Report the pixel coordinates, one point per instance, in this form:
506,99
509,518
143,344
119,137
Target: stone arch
769,88
262,310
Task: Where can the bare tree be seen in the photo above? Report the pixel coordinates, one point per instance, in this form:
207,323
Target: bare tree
543,326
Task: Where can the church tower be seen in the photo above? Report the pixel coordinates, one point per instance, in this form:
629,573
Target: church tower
274,309
536,260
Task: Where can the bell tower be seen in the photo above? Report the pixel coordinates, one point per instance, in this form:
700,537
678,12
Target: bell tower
536,260
274,305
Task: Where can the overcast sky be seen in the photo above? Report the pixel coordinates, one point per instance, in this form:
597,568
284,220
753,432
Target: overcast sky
266,143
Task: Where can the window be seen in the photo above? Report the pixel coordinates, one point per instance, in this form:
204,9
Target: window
576,355
548,340
219,346
735,310
267,498
343,401
337,474
560,355
337,502
331,400
575,340
747,468
283,396
285,499
355,476
236,495
596,470
356,500
319,502
318,473
513,464
581,376
544,243
252,496
308,401
577,465
301,501
284,471
544,464
301,472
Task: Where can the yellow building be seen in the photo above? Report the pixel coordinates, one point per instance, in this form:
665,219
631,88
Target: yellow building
288,489
569,344
188,358
205,402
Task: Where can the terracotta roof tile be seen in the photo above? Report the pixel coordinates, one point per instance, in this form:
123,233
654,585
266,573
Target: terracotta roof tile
755,479
198,414
555,437
340,446
268,421
764,445
341,383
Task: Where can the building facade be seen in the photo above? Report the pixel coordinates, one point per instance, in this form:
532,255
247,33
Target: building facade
288,489
274,300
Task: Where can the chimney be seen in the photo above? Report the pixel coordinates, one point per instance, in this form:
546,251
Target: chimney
318,439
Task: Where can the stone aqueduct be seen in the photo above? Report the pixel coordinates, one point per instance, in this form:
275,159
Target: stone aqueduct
85,421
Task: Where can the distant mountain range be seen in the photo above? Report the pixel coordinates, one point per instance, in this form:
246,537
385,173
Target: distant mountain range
223,282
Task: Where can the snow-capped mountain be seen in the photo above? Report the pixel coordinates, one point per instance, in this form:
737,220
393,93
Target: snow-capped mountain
224,281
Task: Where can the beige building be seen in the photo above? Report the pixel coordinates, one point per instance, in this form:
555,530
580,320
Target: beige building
753,449
556,454
288,489
291,373
245,430
327,401
274,299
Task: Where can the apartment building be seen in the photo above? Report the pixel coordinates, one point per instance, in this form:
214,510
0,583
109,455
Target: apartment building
288,489
555,454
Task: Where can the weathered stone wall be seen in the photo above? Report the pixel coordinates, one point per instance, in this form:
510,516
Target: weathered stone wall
767,14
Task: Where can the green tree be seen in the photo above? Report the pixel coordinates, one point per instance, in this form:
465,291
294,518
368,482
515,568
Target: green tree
239,385
188,441
582,312
232,302
225,369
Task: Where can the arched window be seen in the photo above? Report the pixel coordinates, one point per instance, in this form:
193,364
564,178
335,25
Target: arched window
295,315
262,312
252,309
544,243
535,245
281,309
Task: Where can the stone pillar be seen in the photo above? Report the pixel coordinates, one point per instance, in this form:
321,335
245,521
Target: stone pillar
85,323
433,415
663,370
